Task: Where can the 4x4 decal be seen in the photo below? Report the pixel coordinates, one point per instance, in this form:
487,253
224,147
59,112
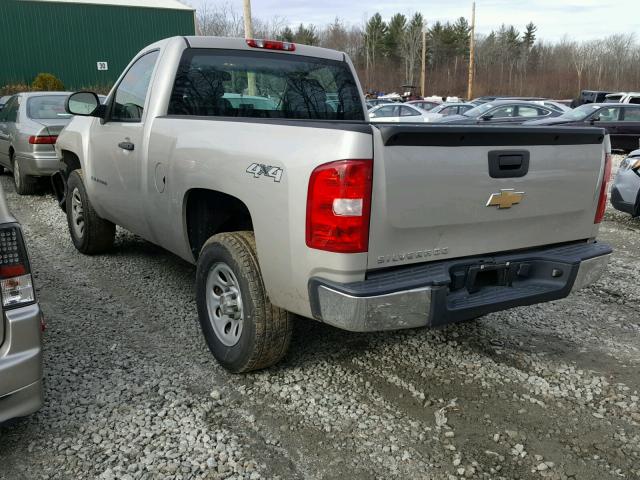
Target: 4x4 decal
258,169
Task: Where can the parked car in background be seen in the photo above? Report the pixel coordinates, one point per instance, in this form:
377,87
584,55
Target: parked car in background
29,126
374,102
402,113
620,120
447,109
501,111
625,191
489,98
3,101
623,97
591,96
423,104
20,324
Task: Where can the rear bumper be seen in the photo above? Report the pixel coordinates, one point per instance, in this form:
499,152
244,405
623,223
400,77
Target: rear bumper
438,293
21,363
22,402
39,164
619,203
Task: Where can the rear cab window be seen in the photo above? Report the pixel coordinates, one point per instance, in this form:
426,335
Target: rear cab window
47,107
237,83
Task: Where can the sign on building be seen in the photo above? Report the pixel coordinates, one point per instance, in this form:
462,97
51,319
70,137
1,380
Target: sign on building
103,66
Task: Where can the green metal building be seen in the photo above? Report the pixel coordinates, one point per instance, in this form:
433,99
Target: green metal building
85,43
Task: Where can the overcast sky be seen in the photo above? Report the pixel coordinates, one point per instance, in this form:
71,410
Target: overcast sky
579,19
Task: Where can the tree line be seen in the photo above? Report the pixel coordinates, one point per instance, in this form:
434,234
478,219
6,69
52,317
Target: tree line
387,54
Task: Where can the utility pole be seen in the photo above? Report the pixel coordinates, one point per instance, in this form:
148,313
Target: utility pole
248,33
423,71
472,45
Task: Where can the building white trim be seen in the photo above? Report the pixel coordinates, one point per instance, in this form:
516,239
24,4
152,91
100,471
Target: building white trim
167,4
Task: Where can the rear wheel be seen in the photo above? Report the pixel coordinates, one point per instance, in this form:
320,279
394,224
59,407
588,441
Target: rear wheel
243,330
90,233
25,184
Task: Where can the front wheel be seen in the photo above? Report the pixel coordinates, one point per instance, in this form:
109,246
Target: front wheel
90,233
243,330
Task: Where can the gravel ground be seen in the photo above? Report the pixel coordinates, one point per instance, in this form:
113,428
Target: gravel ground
548,391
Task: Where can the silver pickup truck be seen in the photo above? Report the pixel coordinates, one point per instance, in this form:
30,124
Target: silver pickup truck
255,160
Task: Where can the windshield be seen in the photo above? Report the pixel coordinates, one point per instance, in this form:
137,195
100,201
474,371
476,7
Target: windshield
479,110
580,113
47,107
215,82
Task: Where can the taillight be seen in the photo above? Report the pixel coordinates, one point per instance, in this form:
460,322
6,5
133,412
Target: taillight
15,278
339,206
43,139
271,44
602,201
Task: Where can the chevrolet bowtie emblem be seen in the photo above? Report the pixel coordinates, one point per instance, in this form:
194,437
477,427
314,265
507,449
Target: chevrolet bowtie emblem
505,199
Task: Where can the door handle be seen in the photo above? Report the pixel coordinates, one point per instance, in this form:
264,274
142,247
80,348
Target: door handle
126,146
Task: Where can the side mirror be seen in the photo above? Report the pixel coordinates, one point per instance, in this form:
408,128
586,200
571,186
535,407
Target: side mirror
84,104
486,117
594,120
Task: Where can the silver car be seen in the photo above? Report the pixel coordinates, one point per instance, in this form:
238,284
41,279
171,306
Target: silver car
625,191
400,113
29,127
21,325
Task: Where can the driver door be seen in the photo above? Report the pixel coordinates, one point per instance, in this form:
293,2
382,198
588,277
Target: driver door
117,150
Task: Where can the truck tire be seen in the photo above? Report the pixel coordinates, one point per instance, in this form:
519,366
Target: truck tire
25,184
243,330
90,233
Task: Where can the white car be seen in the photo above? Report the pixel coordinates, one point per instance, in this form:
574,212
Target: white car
403,113
622,97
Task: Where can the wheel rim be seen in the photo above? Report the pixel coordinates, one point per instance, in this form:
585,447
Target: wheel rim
224,304
77,213
16,174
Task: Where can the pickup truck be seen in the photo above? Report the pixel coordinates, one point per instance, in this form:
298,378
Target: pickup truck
255,160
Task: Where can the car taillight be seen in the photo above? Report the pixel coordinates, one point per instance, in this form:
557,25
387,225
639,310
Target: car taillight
271,44
602,201
43,139
15,276
339,206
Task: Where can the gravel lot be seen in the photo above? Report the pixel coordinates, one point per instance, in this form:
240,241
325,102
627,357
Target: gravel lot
548,391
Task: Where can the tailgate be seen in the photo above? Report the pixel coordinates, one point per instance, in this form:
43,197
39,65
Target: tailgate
433,184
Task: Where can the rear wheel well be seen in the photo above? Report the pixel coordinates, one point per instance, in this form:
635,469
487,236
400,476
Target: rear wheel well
209,212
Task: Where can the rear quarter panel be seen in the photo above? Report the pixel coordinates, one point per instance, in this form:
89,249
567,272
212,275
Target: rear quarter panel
215,154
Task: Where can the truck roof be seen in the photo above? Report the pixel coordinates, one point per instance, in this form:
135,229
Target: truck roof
241,44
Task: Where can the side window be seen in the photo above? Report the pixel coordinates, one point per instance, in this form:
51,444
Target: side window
10,111
525,111
634,100
632,114
503,112
609,114
464,108
408,112
448,111
128,105
386,111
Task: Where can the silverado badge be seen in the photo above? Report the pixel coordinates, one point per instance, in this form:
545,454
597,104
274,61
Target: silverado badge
505,199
